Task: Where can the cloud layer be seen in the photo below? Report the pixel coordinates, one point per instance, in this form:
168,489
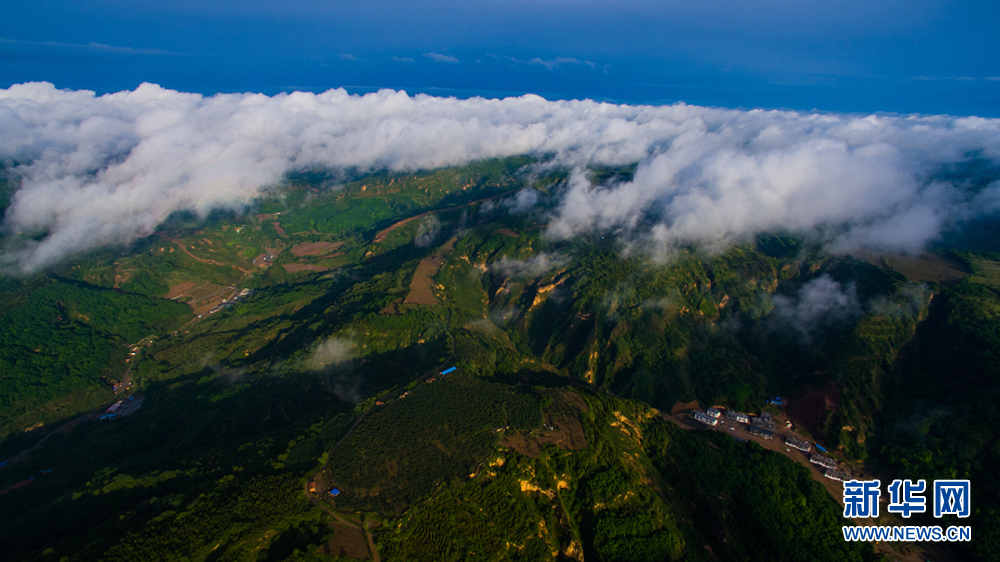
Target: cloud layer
103,169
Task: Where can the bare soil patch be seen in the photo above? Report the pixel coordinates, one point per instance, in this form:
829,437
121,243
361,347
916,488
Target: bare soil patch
507,232
390,310
684,406
315,248
297,267
188,252
810,409
201,297
277,227
564,417
180,289
122,277
422,284
346,542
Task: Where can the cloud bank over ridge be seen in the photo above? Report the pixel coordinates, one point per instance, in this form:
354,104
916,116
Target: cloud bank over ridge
104,169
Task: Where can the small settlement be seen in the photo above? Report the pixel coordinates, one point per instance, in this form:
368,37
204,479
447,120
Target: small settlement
763,427
230,302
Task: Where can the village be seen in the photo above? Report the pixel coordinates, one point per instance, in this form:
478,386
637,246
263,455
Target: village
761,429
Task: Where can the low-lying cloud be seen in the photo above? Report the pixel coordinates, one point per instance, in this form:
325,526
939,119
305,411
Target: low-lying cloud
820,302
107,169
529,268
329,353
428,231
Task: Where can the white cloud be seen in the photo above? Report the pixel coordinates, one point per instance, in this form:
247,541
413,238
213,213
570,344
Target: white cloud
819,302
529,268
104,169
428,231
93,47
331,352
552,64
438,57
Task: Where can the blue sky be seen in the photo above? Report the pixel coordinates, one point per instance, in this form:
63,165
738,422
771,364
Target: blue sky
928,56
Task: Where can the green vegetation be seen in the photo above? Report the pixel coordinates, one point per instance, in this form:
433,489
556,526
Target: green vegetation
942,418
543,445
641,490
60,340
438,431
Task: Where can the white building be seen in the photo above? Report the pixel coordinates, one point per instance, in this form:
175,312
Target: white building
705,418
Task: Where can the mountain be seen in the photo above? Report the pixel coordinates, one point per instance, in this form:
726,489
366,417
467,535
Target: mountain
299,344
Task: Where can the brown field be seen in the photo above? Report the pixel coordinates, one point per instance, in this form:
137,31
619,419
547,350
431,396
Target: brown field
297,267
201,297
507,232
925,267
422,284
277,227
390,309
346,542
315,248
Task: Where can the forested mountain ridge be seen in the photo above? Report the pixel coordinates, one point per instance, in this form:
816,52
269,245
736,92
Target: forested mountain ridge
358,294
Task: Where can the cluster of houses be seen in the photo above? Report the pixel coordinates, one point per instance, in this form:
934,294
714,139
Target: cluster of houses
763,426
230,302
796,443
825,462
264,260
764,421
706,419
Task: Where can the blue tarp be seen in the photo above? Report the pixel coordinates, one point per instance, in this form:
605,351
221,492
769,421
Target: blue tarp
820,447
335,492
446,371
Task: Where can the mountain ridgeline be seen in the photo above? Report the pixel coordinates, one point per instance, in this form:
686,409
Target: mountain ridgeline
296,349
